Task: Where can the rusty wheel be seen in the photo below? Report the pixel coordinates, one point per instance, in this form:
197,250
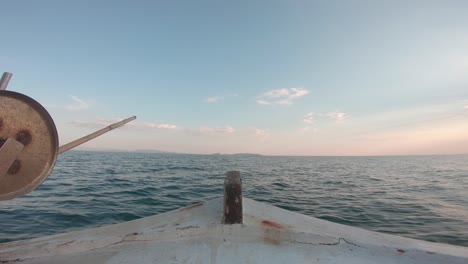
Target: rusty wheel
25,120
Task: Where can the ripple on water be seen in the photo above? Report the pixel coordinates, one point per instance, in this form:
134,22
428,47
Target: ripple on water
423,197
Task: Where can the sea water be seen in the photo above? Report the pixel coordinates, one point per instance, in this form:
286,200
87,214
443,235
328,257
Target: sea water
422,197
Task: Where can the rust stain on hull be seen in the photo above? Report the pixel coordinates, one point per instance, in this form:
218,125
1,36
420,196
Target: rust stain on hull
273,232
191,207
272,224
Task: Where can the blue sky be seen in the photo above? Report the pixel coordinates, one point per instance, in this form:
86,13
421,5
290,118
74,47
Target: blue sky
270,77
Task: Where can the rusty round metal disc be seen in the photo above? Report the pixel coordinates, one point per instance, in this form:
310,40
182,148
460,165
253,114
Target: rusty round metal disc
25,120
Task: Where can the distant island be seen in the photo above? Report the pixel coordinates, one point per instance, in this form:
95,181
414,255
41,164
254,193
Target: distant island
164,152
152,151
123,150
238,154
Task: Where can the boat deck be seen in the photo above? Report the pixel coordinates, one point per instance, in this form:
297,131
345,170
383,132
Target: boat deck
195,234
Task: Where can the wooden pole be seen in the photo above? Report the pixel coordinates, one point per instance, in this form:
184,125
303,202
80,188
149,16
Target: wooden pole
232,198
96,134
5,80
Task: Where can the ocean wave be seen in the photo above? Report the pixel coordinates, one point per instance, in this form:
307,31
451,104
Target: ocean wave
418,197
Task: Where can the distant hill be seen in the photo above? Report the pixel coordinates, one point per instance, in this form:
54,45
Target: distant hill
122,150
152,151
238,154
164,152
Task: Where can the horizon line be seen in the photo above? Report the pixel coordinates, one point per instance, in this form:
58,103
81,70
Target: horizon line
257,154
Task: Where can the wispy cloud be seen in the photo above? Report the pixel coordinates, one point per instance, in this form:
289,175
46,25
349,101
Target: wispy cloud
263,102
76,105
148,126
160,126
213,99
100,122
217,130
337,116
310,118
261,134
283,96
79,104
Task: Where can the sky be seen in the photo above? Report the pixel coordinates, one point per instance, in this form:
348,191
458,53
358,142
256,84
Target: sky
269,77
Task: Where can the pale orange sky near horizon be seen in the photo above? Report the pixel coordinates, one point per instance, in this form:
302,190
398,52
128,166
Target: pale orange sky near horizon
441,129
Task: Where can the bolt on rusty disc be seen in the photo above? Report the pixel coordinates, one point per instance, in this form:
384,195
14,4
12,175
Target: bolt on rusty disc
24,137
15,167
